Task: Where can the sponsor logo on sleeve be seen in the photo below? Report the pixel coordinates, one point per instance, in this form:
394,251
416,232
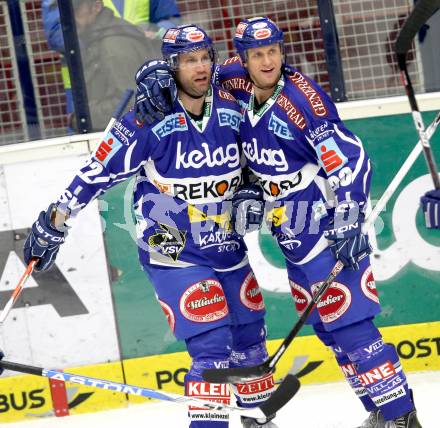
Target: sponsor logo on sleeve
334,303
311,94
279,127
238,83
122,133
226,95
228,117
250,293
172,123
321,132
330,156
292,112
204,302
108,148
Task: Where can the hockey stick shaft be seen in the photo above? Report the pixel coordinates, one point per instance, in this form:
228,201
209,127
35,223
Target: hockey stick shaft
17,290
238,374
119,109
422,11
278,399
395,182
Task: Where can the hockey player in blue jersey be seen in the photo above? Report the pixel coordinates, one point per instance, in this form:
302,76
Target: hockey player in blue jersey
186,165
314,177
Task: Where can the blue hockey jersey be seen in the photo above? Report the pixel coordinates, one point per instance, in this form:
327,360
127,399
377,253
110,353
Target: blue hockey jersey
305,159
185,171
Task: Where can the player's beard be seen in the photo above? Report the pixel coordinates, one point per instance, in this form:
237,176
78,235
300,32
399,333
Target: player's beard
192,90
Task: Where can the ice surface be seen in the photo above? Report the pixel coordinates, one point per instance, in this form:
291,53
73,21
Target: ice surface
330,405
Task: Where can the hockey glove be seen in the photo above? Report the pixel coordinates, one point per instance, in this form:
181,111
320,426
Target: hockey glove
44,240
156,91
347,242
430,202
247,209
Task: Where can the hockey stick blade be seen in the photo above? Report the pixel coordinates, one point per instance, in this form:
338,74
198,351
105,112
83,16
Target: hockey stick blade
282,395
422,11
288,388
238,374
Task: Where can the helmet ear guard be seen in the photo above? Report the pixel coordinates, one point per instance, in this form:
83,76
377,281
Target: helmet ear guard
185,39
257,32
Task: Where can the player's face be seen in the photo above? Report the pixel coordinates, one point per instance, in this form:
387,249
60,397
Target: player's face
194,72
264,65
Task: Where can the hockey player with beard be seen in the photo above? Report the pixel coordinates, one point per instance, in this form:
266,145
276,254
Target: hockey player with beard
314,178
187,164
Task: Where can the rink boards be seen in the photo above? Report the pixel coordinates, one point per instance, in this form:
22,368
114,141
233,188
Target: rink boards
96,308
23,397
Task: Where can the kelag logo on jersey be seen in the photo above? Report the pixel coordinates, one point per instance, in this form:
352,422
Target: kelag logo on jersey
227,117
330,156
172,123
279,127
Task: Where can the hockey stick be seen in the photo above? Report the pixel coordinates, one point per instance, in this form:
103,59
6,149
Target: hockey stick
126,96
238,374
422,11
278,399
17,291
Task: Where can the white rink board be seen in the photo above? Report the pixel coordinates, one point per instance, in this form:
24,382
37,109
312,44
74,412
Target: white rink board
39,335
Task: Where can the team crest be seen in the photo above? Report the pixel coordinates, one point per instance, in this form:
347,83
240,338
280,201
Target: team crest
168,241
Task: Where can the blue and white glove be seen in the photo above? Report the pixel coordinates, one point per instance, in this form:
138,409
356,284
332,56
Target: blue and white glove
156,91
247,209
43,242
430,202
348,243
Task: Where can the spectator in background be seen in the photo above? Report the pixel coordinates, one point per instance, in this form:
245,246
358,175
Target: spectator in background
111,50
153,16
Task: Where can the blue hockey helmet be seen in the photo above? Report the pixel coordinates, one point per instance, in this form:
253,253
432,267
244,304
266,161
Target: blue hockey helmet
184,39
256,32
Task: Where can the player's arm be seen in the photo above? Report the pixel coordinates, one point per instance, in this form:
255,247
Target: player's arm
156,90
347,167
121,154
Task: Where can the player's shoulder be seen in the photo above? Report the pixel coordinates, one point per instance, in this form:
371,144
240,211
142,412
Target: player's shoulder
230,69
225,98
308,94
